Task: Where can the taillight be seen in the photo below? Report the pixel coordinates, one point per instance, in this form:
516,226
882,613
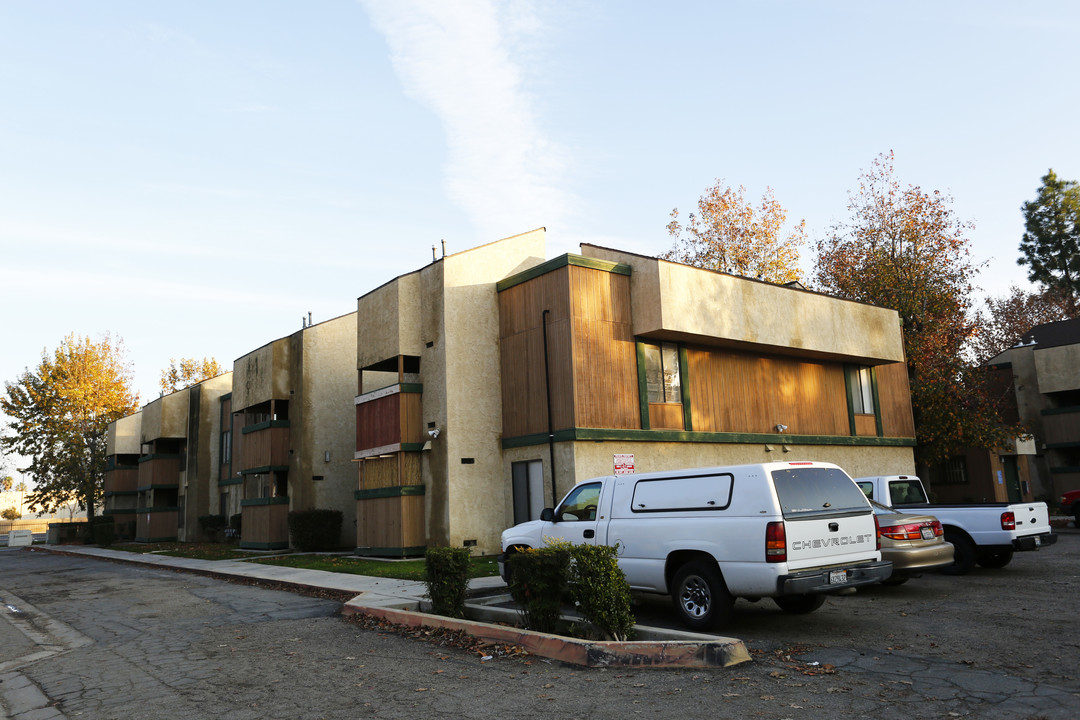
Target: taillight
909,531
775,543
1008,521
938,531
877,532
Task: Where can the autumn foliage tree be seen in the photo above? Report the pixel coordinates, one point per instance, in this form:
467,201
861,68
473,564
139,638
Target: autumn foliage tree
904,249
1006,318
58,416
187,372
730,234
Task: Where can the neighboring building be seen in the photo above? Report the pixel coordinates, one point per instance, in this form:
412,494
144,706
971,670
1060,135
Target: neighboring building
177,461
649,365
292,433
121,482
1040,378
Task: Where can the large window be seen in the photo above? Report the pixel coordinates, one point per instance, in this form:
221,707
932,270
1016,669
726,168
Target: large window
662,373
862,391
528,481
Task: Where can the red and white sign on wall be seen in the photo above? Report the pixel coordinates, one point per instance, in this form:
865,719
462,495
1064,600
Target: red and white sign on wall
624,464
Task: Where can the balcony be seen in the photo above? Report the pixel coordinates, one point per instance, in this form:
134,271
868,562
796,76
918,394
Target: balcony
265,523
265,445
156,524
390,420
1061,427
159,470
121,479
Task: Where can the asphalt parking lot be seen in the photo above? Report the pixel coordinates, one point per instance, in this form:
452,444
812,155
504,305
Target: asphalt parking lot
104,640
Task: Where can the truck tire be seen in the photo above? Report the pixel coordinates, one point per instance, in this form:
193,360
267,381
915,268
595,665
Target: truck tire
799,604
995,559
700,598
963,553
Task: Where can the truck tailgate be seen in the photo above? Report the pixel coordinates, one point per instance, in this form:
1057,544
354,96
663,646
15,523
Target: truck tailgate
820,541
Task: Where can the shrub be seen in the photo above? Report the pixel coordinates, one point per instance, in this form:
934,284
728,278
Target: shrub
213,526
315,530
10,513
538,584
103,530
446,573
600,591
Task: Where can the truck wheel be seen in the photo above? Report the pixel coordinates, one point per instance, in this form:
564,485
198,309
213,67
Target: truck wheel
963,553
995,559
700,597
799,604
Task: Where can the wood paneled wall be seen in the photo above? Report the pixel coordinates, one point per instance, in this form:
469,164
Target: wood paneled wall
740,392
391,522
894,396
384,472
265,448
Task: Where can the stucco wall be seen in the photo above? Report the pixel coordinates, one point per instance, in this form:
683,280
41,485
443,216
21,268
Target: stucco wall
123,435
262,375
389,321
1058,368
165,417
680,302
328,422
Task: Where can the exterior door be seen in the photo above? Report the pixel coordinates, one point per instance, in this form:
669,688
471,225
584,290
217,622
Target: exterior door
1012,479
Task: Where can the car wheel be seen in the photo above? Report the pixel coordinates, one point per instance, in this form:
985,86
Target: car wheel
894,581
995,559
700,598
799,604
963,553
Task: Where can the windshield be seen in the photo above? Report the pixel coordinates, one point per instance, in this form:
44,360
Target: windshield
814,490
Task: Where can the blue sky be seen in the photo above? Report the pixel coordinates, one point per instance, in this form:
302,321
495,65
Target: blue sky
195,177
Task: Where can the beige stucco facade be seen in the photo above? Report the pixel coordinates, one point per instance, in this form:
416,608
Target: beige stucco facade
678,302
123,435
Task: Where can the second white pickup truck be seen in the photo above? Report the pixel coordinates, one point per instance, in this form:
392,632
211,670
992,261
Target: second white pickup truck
983,533
792,531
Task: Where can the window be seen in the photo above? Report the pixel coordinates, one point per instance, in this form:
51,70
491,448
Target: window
226,447
580,504
862,393
528,487
662,373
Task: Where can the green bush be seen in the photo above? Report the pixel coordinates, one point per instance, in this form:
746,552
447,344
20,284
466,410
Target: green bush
213,526
599,589
234,522
446,573
315,530
103,530
538,584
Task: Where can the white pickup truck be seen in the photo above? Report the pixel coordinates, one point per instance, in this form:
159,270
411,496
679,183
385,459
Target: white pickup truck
791,531
983,533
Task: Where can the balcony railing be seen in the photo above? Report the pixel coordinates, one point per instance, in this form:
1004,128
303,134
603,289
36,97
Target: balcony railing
265,445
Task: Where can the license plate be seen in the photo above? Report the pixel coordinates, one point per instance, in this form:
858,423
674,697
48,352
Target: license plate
927,533
837,577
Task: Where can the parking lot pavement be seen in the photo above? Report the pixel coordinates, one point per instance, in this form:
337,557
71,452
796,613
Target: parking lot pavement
995,644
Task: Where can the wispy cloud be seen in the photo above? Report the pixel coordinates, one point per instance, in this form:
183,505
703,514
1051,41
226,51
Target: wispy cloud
458,58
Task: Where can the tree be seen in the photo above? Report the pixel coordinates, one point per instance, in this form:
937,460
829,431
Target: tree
731,235
188,372
10,513
1008,317
1050,246
904,249
59,414
6,482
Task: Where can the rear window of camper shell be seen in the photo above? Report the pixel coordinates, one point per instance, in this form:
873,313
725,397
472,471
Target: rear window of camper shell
817,491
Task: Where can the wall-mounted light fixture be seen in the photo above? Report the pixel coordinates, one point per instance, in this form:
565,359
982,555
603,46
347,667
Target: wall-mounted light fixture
780,427
433,432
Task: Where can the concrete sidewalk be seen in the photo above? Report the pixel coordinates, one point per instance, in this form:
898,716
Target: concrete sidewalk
399,602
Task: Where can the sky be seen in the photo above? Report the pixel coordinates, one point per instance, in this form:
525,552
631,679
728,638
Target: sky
194,178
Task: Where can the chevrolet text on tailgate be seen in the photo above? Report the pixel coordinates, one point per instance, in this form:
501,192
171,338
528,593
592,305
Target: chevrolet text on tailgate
791,531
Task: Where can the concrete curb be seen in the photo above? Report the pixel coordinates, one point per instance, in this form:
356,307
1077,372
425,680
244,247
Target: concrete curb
704,651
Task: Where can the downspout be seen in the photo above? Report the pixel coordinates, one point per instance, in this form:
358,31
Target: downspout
547,389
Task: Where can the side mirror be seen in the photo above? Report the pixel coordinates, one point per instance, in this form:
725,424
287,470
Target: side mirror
547,515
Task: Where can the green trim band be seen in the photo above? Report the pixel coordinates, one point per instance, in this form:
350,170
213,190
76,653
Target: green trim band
603,434
158,486
230,481
279,500
560,262
279,545
1071,409
642,387
265,469
877,402
392,491
684,388
157,509
120,511
391,551
159,456
1062,445
264,425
